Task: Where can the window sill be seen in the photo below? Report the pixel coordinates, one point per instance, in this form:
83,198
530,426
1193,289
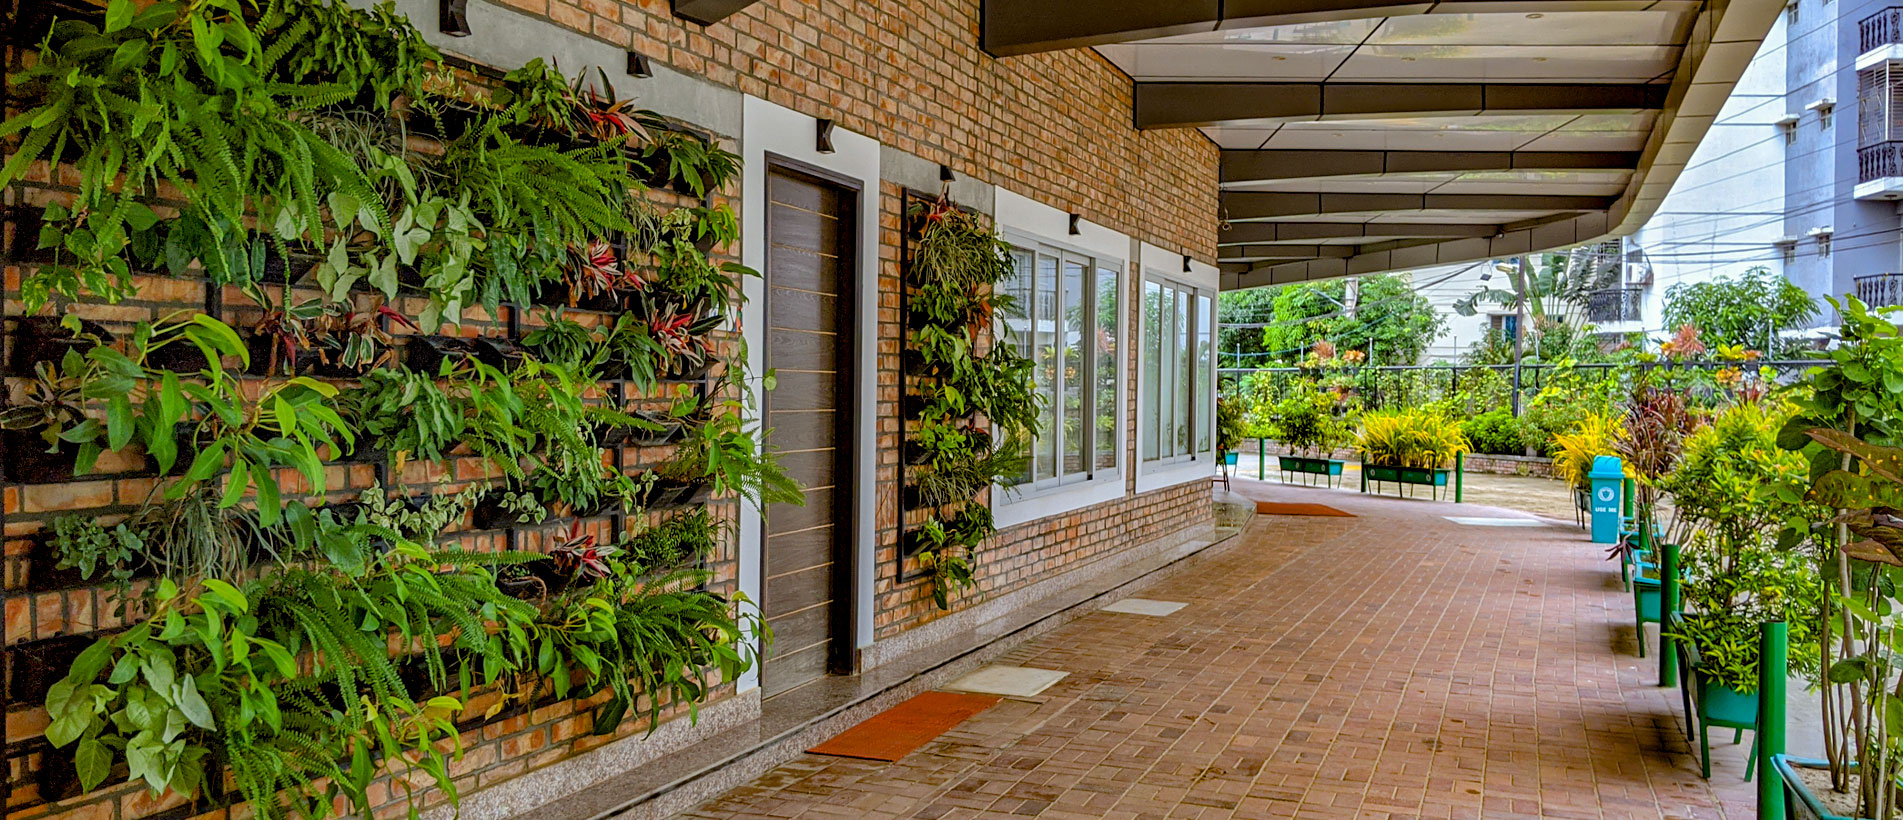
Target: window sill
1018,508
1156,476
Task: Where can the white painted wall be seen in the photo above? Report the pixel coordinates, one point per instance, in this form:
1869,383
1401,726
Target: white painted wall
768,131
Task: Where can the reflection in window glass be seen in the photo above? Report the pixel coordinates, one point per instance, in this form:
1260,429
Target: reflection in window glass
1044,320
1105,374
1057,326
1186,363
1204,356
1174,410
1152,382
1018,288
1071,370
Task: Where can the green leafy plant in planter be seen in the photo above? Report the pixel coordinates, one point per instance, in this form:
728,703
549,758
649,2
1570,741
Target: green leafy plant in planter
688,161
726,454
1731,486
1414,438
1304,420
84,544
672,543
209,91
1845,426
960,379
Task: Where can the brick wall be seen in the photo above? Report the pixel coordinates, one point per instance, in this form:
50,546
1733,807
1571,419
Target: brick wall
1056,128
908,73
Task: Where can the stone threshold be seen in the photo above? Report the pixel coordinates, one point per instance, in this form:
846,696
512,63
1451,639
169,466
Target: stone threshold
789,723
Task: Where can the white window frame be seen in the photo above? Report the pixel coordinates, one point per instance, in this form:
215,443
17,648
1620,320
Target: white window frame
1159,265
1201,408
1016,504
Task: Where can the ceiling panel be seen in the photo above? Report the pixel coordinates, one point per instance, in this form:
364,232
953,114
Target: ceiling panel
1589,141
1445,217
1381,139
1562,28
1559,188
1374,184
1241,61
1240,138
1342,32
1498,63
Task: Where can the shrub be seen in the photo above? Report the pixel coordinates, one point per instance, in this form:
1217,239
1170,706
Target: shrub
1412,437
1305,421
1575,450
1497,432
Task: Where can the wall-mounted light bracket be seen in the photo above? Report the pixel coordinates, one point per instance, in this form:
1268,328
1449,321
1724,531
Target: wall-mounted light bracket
1186,263
1076,226
823,136
638,65
945,173
454,18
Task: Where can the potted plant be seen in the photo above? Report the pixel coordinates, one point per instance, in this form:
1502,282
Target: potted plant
1305,422
1736,489
1589,439
686,162
44,431
47,339
1408,446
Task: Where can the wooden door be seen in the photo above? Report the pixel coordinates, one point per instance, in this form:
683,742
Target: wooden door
809,338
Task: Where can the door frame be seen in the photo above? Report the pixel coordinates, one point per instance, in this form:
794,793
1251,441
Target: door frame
789,137
842,656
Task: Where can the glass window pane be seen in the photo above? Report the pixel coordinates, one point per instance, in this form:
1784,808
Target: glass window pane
1018,287
1166,387
1185,368
1105,375
1203,400
1071,374
1046,331
1149,419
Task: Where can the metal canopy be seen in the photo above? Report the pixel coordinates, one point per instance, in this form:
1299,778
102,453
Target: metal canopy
1375,136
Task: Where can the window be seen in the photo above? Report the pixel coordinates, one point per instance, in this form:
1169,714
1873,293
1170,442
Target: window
1066,322
1177,415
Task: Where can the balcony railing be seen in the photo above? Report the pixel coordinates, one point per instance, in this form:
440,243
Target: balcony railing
1880,289
1615,305
1880,161
1880,29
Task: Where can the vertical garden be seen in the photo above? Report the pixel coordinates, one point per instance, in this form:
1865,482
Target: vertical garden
356,398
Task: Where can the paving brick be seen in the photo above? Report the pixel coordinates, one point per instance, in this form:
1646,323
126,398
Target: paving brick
1391,665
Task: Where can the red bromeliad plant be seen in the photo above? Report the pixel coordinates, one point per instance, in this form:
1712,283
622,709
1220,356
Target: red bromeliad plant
687,335
597,271
579,554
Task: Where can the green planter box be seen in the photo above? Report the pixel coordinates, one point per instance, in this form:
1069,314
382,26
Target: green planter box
1314,466
1722,706
1435,477
1798,800
1325,468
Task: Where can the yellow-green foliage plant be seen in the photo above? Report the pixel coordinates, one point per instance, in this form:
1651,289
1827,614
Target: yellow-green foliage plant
1412,437
1591,438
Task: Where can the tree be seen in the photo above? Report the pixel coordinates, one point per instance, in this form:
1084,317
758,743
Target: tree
1242,346
1745,311
1387,312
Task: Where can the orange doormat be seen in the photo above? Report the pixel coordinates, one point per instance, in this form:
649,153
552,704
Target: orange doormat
1286,508
895,732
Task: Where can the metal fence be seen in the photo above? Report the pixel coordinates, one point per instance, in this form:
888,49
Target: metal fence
1403,385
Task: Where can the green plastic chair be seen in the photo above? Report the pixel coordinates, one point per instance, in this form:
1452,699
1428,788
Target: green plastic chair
1709,703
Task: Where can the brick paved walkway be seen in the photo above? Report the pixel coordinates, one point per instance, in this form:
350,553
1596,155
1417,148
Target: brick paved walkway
1394,665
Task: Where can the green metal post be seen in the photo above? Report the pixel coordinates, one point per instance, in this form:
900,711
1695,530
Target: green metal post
1460,460
1261,459
1625,492
1668,603
1773,655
